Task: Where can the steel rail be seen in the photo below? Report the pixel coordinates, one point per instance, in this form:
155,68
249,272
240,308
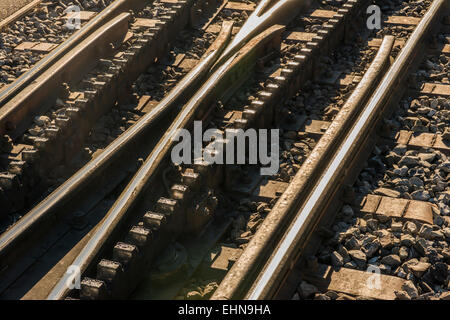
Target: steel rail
276,268
241,275
56,202
21,96
264,16
18,14
116,7
19,112
58,199
128,198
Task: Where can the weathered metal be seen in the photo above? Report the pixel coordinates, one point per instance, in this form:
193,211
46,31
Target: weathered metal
245,62
244,271
63,141
18,14
223,79
423,140
80,182
20,110
338,168
264,16
12,90
402,209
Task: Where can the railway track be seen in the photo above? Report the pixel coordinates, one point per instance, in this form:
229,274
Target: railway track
90,94
37,29
115,213
165,30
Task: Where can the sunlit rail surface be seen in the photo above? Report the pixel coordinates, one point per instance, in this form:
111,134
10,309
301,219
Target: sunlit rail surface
288,149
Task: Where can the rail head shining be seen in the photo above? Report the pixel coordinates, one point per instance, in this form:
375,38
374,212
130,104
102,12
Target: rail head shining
74,184
263,283
109,12
126,201
129,195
